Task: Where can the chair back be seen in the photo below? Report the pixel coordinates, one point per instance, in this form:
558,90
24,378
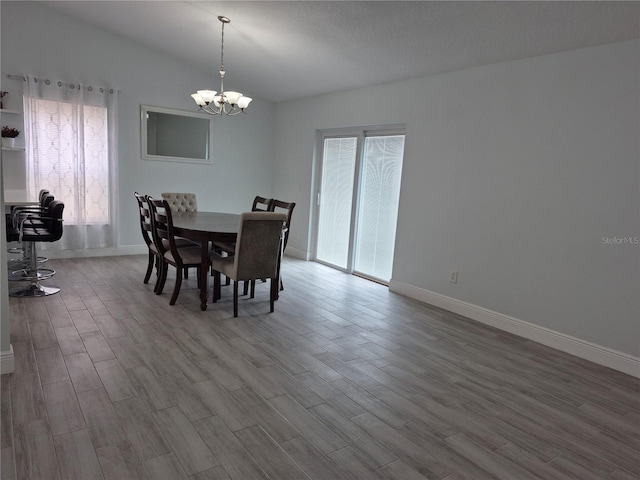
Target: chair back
42,194
287,208
261,204
53,220
48,227
258,245
162,227
181,202
45,200
145,218
20,212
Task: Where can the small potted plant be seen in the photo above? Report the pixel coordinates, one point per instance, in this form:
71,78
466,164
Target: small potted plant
9,135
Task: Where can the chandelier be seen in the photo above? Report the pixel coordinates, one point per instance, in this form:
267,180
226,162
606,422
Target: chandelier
223,103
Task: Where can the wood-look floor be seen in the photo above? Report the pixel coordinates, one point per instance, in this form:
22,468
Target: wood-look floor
344,381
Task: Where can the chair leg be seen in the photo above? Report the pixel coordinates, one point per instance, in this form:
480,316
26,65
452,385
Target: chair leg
253,289
235,298
176,288
273,293
245,289
163,277
152,258
186,273
216,285
158,272
34,289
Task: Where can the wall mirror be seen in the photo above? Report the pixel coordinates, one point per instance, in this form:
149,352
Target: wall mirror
170,135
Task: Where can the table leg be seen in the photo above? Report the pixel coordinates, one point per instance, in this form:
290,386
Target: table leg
280,255
204,272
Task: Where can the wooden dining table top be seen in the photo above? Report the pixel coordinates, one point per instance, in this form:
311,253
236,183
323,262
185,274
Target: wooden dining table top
207,222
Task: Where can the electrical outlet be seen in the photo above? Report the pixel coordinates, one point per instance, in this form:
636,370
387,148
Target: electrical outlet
453,276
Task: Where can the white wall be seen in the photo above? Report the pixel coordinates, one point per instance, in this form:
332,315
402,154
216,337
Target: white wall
513,174
40,41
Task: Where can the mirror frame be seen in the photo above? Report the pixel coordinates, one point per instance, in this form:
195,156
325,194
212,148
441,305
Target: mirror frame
144,151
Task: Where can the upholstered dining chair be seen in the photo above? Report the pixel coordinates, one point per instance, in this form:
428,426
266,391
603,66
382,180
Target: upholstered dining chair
165,242
279,206
181,202
260,204
256,254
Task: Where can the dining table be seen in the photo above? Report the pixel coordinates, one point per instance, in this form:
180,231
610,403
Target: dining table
203,228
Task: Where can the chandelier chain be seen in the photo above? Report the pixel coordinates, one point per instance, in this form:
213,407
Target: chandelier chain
222,49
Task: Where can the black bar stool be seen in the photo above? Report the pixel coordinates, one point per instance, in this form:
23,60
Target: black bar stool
36,228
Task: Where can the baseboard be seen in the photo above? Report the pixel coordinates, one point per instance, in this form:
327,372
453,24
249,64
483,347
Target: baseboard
97,252
135,250
607,357
297,253
7,361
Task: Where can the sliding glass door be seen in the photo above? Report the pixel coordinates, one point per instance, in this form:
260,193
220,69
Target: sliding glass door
336,204
358,197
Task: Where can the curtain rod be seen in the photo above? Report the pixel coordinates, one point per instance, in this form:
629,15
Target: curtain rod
16,76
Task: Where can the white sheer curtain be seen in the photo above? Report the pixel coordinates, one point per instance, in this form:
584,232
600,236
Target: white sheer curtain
71,147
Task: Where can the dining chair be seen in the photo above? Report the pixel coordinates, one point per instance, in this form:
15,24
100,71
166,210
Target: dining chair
279,206
260,204
257,250
145,227
287,208
165,242
181,202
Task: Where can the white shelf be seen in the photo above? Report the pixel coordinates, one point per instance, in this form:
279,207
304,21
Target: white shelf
13,149
13,112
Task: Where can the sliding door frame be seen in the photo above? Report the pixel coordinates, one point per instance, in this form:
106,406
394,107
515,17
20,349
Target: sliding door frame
360,133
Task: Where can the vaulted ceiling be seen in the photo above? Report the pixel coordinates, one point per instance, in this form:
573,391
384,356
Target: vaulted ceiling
290,49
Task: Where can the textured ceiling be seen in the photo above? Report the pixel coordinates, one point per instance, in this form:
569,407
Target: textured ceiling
291,49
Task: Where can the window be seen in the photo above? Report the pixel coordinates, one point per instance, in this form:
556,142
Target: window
70,133
83,186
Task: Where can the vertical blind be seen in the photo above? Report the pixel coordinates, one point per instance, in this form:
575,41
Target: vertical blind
378,205
336,200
